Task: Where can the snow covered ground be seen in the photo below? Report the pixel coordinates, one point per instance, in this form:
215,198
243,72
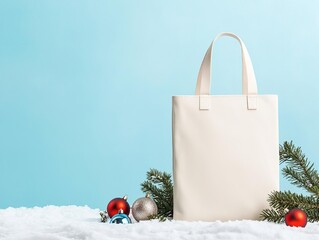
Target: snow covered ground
72,222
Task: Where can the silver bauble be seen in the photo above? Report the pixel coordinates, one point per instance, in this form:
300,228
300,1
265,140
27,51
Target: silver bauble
143,208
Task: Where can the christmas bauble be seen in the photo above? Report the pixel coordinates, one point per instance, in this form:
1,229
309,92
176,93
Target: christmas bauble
143,208
296,218
120,218
116,204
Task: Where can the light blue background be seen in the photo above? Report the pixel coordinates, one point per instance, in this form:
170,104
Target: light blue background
86,86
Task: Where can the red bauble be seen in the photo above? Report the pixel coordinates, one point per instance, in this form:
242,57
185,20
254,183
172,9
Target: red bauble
296,218
116,204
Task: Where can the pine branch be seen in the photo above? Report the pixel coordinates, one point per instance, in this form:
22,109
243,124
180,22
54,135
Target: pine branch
160,187
159,217
288,200
281,202
272,215
299,171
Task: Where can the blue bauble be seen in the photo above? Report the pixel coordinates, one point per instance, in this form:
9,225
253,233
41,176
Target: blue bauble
120,218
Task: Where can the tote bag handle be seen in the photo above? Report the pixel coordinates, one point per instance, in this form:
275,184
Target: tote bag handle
249,85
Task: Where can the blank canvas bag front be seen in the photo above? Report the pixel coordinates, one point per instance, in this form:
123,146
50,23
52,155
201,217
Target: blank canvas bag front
225,148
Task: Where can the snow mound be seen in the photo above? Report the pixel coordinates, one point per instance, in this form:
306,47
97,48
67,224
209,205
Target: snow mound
83,223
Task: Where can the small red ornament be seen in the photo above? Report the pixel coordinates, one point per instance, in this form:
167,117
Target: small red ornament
296,218
116,204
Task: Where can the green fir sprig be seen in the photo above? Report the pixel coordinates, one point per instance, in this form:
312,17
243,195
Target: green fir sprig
300,172
160,187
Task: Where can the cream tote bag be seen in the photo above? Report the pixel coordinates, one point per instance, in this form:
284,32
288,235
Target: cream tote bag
225,148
